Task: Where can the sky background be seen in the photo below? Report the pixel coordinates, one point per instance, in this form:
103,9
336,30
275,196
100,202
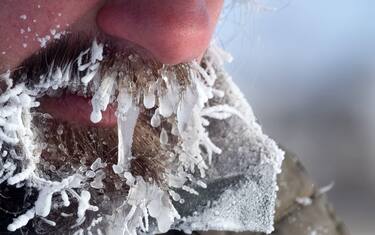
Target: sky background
308,70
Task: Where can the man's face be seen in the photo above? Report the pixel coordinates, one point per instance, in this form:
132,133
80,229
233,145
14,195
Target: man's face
168,30
138,48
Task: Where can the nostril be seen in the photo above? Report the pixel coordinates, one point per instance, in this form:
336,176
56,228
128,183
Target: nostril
171,31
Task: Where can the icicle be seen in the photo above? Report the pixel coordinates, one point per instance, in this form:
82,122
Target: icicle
97,164
84,205
125,127
155,119
221,112
163,137
49,222
169,101
124,102
149,97
96,52
98,180
185,109
88,77
21,220
101,98
201,184
22,175
57,75
190,190
65,198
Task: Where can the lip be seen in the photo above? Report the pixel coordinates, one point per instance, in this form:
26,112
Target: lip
76,110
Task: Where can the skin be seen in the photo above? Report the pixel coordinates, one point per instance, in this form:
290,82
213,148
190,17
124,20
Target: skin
171,31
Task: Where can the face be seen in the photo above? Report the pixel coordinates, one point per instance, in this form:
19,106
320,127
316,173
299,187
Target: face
169,31
106,92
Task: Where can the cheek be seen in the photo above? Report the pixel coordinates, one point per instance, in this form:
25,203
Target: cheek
25,26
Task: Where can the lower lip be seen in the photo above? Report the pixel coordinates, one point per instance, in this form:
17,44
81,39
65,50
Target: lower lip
76,110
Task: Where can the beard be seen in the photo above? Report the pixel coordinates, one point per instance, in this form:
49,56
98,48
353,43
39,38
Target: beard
83,172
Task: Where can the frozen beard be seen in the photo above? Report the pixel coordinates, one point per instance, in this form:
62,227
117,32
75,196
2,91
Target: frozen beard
64,175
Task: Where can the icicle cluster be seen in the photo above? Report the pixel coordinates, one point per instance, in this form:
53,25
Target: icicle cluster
184,106
16,131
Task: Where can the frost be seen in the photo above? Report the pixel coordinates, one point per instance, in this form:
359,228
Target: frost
182,114
146,200
23,17
43,40
53,34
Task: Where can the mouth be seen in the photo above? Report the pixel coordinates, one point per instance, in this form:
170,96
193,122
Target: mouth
76,110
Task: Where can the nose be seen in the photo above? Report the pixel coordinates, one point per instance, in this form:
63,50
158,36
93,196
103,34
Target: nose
171,31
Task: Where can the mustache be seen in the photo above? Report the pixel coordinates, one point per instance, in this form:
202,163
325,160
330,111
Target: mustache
176,97
72,52
68,146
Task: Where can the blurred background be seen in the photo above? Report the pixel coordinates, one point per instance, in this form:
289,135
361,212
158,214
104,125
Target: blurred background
308,70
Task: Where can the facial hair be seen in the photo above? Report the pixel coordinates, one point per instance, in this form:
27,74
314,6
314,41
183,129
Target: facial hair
67,149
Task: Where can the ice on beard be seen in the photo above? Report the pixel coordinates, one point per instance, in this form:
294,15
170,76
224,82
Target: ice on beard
222,175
